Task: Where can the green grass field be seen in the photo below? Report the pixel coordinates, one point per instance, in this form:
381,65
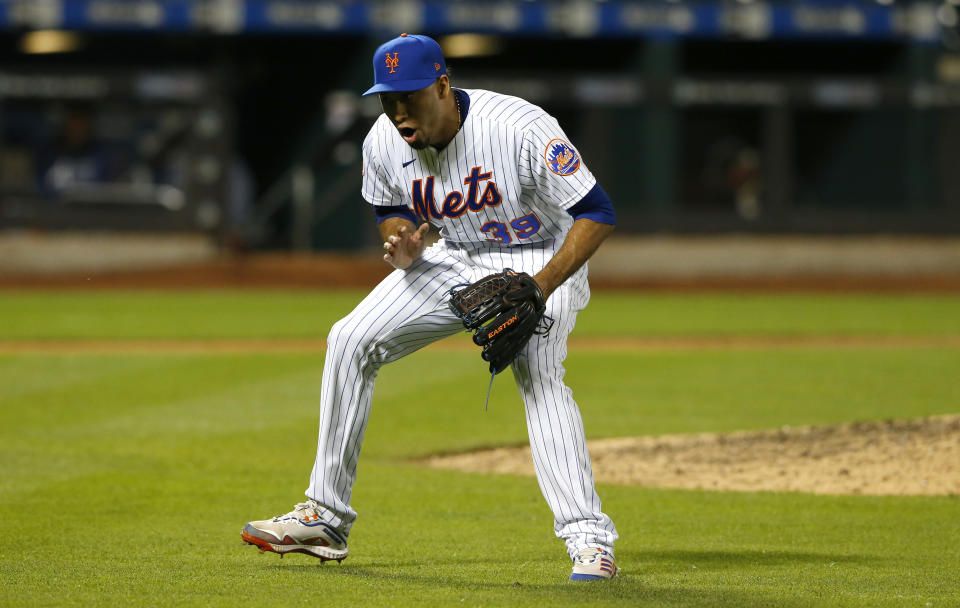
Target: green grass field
126,477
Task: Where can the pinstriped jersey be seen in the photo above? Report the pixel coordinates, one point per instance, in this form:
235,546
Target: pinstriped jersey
506,178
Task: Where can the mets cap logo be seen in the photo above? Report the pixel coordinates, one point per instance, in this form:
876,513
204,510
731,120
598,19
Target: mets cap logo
393,62
561,157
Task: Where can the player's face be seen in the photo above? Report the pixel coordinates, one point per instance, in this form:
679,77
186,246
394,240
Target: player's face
416,114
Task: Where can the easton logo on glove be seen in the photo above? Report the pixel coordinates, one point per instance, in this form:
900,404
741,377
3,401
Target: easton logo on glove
503,311
501,328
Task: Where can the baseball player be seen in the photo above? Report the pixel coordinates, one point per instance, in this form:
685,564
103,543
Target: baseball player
500,180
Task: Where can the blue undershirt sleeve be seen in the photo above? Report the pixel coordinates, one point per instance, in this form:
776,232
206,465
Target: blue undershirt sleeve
383,212
596,206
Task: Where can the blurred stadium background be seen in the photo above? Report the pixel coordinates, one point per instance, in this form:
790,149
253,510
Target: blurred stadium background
735,137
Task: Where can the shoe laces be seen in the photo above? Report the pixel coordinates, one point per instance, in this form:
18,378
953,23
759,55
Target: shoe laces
587,557
300,507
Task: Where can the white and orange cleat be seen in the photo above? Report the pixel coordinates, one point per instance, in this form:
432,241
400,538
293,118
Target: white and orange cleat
299,531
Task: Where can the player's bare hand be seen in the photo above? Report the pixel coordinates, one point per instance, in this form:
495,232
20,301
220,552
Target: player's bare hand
404,247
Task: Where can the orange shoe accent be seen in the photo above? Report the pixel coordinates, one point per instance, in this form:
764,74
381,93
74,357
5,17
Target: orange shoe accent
263,545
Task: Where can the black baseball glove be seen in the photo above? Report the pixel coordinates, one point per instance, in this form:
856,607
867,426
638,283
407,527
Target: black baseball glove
502,310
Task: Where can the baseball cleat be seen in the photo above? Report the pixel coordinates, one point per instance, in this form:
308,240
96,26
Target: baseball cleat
299,531
593,564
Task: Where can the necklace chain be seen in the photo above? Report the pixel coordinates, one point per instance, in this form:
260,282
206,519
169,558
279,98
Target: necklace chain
456,98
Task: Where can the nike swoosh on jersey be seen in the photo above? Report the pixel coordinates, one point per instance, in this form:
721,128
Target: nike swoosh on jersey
407,163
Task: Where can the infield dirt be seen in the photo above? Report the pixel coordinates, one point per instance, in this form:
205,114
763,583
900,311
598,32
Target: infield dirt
894,457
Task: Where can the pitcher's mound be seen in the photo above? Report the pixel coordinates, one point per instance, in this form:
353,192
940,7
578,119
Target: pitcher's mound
894,457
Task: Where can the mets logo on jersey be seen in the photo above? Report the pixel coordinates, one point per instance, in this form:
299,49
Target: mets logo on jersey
561,157
393,62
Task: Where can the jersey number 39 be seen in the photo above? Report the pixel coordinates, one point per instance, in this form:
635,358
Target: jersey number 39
523,227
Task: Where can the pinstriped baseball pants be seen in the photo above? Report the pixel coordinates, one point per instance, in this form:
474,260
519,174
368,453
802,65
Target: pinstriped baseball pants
407,311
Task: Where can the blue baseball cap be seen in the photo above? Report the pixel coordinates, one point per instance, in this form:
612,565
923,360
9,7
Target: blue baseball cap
409,62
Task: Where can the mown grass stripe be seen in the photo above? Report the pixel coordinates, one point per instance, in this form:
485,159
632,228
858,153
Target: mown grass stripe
592,344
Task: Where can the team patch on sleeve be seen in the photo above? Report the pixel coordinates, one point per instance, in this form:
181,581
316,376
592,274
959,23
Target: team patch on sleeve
561,157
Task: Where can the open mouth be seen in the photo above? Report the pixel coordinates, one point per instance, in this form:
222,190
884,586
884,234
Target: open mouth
407,133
